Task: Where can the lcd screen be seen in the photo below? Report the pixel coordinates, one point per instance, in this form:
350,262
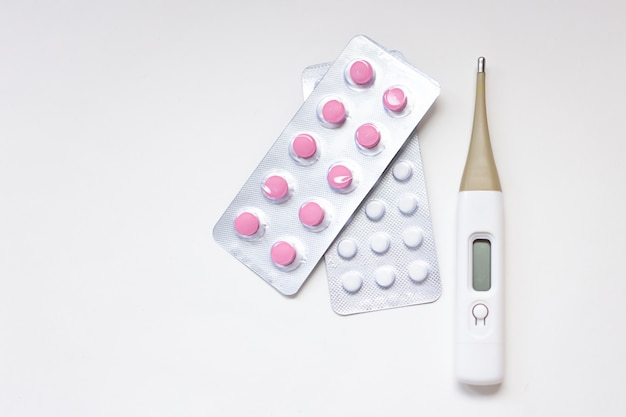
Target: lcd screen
481,262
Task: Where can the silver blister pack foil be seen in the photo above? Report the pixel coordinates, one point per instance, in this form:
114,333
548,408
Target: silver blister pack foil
386,256
268,234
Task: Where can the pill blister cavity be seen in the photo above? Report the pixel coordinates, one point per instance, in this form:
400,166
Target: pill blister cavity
385,276
352,281
375,210
285,255
313,215
402,171
249,225
380,242
418,271
341,178
367,137
332,113
347,249
304,149
276,188
407,204
413,237
360,73
395,100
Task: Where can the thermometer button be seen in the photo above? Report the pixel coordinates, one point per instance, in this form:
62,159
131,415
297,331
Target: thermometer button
480,313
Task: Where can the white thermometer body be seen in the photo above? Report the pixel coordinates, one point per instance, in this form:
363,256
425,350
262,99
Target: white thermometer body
480,253
480,315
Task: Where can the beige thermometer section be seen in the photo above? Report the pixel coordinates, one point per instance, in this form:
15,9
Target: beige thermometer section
480,168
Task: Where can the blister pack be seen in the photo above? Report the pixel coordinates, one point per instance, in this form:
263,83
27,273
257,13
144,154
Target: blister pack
324,163
386,256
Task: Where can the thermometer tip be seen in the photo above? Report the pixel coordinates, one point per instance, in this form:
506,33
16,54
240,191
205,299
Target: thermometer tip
481,64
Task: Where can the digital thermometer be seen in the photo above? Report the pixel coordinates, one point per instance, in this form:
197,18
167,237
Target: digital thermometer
480,241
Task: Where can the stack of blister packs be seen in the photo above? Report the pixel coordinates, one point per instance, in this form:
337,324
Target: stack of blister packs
344,180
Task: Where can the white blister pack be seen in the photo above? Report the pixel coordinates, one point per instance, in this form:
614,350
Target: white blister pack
324,163
386,256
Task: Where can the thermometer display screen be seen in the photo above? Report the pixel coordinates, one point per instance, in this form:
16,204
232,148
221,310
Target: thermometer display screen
481,265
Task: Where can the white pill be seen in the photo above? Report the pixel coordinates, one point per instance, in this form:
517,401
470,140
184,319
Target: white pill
385,276
407,204
380,242
413,237
402,171
375,210
347,249
418,271
351,281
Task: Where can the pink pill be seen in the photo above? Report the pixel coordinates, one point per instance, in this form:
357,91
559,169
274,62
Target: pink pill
361,72
247,224
311,214
283,253
334,112
367,136
275,187
340,177
304,146
395,99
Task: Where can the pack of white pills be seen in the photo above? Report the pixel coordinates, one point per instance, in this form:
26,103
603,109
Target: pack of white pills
324,163
386,256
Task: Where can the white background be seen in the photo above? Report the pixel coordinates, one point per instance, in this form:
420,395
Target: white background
126,128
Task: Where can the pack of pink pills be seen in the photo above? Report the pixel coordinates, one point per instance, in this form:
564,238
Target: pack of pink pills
386,256
324,163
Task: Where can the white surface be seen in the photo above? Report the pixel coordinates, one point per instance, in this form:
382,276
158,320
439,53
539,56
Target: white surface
127,127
